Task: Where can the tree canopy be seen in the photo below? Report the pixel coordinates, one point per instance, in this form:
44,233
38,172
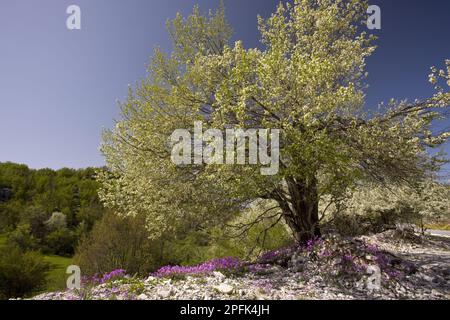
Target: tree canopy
42,209
307,80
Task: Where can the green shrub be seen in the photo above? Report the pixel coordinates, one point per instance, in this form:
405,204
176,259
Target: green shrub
21,273
117,243
61,242
22,238
35,217
9,216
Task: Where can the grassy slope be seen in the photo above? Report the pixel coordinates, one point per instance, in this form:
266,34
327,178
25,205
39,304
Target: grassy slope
56,278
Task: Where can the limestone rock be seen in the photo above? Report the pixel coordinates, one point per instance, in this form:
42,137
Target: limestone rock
224,288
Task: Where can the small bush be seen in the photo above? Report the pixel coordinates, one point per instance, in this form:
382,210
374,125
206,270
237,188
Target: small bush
22,238
61,242
116,243
21,273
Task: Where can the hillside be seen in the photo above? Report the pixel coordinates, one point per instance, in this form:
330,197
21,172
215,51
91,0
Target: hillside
332,268
44,213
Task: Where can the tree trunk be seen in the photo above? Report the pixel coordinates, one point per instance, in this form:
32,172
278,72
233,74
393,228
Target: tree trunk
301,209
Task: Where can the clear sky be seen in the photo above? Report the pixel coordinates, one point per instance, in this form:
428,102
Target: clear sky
58,88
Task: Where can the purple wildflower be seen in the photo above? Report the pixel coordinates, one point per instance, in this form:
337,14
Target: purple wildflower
371,248
97,279
224,264
325,253
118,273
273,255
311,243
258,268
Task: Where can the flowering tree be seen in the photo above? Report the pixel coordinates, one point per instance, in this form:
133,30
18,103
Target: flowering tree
57,221
425,202
307,81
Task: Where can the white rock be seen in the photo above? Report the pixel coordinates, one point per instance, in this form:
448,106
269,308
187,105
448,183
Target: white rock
218,275
165,293
142,296
224,288
150,279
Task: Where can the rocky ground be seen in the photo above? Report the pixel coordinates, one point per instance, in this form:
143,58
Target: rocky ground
391,265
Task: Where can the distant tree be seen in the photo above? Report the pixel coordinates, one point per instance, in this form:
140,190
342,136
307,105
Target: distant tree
75,205
35,217
307,81
57,221
60,242
9,216
22,238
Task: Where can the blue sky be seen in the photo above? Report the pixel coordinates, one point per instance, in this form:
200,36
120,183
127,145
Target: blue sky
58,88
